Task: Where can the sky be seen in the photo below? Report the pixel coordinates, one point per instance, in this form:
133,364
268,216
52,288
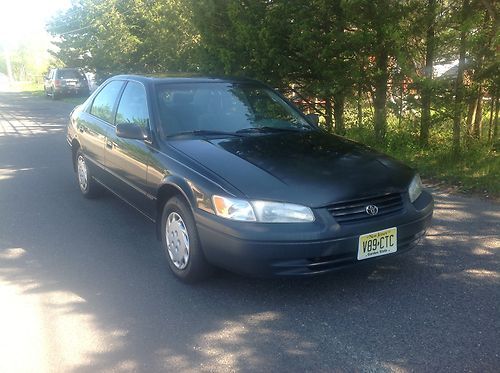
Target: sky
23,21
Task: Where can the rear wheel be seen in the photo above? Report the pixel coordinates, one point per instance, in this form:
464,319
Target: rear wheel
181,244
88,186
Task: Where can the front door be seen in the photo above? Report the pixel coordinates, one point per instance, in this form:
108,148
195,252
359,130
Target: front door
128,159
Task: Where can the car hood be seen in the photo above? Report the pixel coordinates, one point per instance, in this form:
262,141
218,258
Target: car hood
312,168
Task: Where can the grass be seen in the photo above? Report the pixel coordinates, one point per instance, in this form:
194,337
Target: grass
477,170
36,89
75,100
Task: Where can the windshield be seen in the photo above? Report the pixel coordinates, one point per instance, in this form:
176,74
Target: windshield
201,108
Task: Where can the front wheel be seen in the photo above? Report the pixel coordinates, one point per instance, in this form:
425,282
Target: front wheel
88,186
181,244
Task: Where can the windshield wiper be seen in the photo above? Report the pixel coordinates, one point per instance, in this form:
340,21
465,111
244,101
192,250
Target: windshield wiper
267,129
204,133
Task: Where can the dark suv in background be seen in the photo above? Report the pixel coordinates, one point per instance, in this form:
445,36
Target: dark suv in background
67,81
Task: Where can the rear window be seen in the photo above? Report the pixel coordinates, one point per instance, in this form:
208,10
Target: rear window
69,74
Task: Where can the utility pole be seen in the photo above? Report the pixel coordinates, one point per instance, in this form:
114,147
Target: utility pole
8,64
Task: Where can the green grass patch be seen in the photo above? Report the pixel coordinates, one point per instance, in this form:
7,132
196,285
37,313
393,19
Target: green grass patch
476,170
34,89
75,100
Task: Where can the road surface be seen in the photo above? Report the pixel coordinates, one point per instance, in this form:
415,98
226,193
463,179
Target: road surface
84,286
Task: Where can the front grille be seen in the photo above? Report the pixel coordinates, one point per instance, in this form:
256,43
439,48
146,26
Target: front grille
351,212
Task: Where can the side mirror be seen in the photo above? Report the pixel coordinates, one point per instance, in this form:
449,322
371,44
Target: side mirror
313,118
131,131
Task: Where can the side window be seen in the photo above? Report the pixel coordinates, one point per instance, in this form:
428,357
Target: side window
133,106
103,104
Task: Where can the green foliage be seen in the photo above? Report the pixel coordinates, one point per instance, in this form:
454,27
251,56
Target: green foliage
113,36
364,61
477,170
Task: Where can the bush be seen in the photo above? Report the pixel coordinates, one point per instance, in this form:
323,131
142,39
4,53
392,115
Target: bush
476,170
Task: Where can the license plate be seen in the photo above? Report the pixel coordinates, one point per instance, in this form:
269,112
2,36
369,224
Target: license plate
378,243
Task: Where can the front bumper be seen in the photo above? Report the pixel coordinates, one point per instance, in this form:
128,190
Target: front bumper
305,248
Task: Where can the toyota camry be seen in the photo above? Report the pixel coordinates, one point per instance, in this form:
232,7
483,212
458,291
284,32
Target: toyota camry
235,176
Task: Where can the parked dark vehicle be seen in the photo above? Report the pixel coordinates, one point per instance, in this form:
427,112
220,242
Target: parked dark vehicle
64,82
234,176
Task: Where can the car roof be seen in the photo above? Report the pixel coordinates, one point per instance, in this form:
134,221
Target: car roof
184,78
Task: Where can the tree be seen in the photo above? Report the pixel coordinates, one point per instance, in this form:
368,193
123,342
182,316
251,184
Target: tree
459,81
425,120
283,43
379,26
339,53
112,36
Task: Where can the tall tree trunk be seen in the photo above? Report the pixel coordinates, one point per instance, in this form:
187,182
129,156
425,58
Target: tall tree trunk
492,107
360,92
476,132
425,121
339,96
401,105
380,99
328,112
360,106
472,103
338,112
495,121
459,82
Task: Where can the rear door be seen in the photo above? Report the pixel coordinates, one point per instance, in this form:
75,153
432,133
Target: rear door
94,125
128,159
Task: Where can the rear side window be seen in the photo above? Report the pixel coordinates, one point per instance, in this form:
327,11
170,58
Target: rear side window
133,107
104,102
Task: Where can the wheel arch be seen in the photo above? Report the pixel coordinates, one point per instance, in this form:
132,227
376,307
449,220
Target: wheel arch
172,187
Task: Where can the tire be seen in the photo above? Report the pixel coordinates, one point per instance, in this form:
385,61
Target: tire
182,248
55,96
88,186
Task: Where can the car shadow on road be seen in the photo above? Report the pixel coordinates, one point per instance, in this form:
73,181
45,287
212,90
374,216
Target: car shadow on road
96,265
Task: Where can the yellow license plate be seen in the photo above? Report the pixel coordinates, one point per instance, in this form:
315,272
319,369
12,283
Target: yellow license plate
378,243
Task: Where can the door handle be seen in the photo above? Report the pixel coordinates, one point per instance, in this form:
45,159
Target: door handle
82,129
109,144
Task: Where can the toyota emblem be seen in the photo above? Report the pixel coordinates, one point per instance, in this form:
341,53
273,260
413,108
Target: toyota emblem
371,210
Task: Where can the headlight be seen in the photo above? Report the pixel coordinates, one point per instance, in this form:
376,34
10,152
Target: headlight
262,211
233,208
276,212
415,188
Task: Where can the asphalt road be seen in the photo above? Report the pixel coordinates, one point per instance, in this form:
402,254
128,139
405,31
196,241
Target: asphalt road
84,286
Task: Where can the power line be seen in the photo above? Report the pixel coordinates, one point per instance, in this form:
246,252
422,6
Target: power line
91,25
